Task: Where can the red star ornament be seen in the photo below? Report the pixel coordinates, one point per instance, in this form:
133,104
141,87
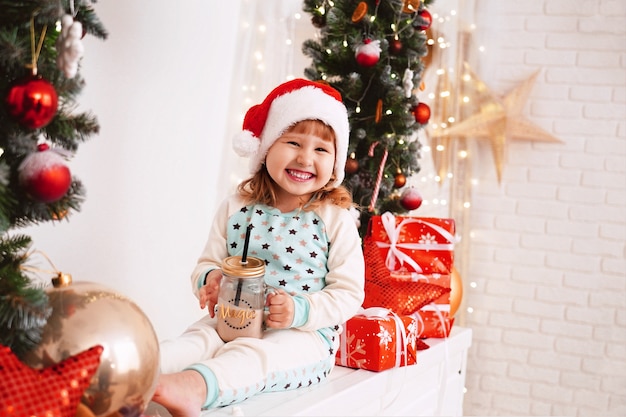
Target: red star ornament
54,391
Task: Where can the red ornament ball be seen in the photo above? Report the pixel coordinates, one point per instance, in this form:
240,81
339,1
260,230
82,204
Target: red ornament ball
395,46
44,175
319,21
410,199
427,20
368,54
422,113
32,102
399,180
352,165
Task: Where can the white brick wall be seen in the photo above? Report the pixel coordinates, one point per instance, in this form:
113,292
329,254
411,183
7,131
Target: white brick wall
548,244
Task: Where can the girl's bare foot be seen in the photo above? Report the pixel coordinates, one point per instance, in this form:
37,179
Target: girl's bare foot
182,393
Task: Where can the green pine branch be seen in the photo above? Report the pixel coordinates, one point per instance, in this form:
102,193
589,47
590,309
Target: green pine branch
365,89
23,306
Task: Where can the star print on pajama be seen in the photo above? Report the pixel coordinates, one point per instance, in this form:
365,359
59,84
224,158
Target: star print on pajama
282,381
293,245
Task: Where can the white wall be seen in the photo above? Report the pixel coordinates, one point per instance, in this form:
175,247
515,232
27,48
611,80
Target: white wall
548,249
159,86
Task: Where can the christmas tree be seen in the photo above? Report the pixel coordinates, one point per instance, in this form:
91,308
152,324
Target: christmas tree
40,51
372,52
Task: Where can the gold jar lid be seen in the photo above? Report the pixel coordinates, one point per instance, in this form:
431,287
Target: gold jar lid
254,267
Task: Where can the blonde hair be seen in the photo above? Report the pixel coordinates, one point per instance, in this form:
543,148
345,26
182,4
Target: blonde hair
261,188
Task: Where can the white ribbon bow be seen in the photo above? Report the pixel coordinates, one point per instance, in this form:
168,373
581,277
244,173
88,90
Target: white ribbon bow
377,313
393,232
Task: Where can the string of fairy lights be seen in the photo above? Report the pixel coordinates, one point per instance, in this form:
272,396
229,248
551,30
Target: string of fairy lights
276,31
446,179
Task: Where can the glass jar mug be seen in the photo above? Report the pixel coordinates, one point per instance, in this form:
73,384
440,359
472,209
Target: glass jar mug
241,299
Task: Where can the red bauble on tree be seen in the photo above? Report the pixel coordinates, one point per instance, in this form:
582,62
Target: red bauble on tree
319,21
368,53
395,46
352,165
399,180
44,175
422,113
32,102
426,20
410,199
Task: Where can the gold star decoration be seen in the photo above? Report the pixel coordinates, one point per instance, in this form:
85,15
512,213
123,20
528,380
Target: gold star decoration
496,119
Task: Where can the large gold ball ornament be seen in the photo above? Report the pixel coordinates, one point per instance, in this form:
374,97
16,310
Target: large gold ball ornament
85,314
456,292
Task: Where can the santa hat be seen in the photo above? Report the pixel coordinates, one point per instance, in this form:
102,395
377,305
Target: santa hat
289,103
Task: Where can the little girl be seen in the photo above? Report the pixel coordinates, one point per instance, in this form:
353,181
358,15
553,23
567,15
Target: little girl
297,141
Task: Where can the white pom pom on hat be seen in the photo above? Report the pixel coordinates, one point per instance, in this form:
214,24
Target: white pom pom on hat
286,105
246,144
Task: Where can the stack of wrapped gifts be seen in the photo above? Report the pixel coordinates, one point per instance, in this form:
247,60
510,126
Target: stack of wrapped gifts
408,275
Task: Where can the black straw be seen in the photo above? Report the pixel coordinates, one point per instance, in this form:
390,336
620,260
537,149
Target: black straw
244,257
244,261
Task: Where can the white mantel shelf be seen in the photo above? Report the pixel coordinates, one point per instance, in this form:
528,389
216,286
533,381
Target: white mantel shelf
432,387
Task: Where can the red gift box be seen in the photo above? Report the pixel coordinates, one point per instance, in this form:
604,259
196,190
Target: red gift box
434,320
377,339
409,264
415,245
402,295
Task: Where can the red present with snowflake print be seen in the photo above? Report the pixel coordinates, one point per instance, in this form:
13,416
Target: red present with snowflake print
414,246
433,320
377,339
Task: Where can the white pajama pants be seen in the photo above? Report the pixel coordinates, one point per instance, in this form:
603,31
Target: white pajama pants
281,360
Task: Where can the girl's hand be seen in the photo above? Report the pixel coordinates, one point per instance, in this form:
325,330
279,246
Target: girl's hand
281,310
208,293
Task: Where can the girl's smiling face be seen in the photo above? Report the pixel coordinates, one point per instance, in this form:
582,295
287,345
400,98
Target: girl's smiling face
301,161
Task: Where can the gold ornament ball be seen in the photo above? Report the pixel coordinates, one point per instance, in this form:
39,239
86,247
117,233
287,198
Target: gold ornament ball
456,292
85,314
